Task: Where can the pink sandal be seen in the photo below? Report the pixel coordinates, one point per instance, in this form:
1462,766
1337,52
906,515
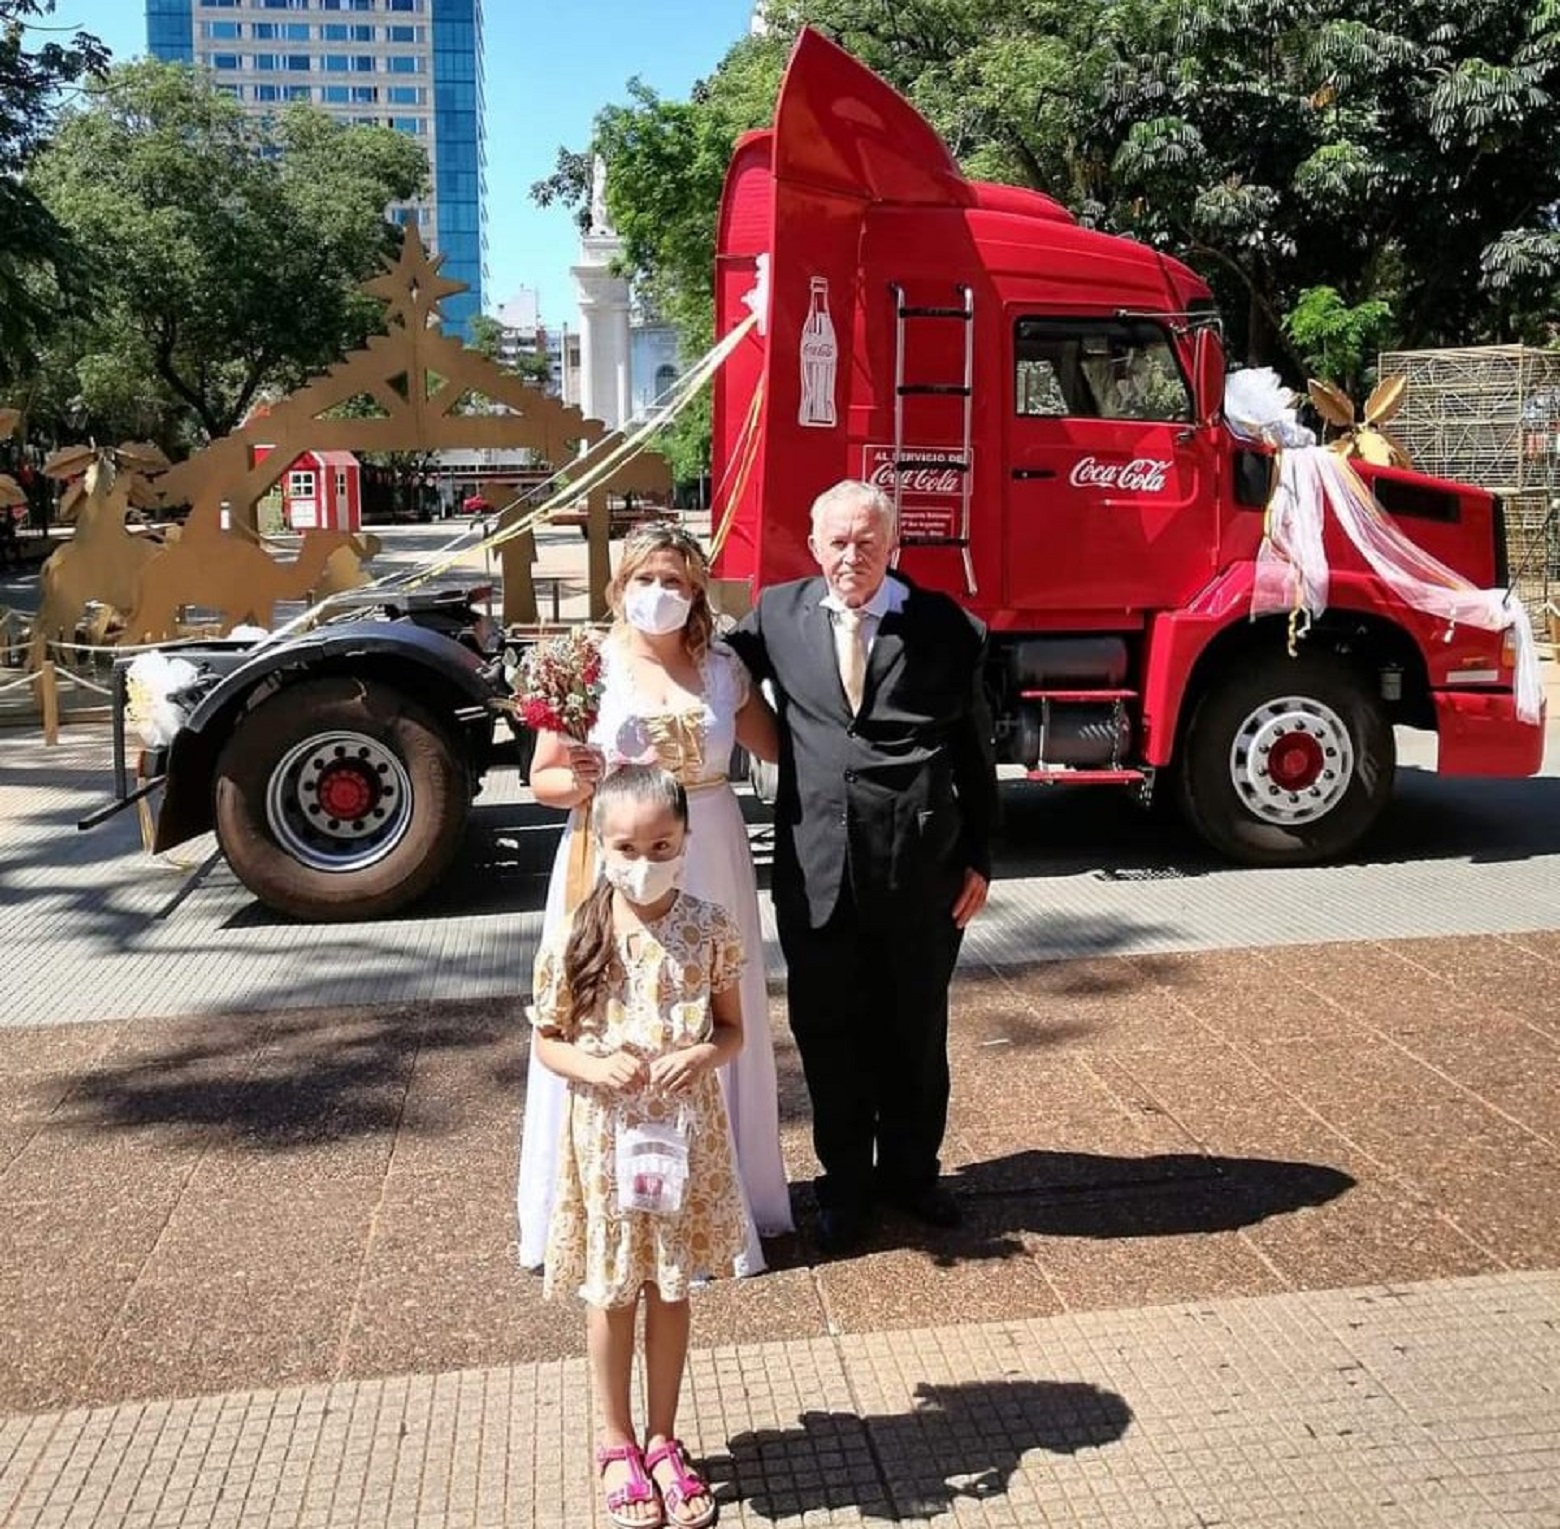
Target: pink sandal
637,1489
686,1484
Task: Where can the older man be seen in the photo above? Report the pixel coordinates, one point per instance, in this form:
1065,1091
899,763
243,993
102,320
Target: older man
886,799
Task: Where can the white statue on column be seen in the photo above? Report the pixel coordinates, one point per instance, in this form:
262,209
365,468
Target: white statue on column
600,223
603,297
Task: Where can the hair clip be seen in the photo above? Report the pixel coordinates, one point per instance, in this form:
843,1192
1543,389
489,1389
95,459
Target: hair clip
667,532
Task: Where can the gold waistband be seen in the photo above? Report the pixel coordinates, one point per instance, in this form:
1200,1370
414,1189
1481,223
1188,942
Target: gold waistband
709,783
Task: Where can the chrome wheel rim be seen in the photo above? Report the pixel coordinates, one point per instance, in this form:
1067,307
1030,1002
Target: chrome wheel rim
339,801
1291,761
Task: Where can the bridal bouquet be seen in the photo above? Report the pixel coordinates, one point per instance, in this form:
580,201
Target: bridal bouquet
558,688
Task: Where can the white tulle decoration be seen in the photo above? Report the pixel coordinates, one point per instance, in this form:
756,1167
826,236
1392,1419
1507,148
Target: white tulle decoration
1258,407
243,633
1292,572
756,298
150,683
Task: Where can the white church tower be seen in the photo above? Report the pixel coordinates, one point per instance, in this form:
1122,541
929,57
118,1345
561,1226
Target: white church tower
603,298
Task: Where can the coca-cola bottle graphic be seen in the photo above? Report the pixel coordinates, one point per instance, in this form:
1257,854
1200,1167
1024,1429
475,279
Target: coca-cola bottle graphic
820,359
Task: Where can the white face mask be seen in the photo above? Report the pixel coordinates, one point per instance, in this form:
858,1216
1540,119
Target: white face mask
655,609
642,881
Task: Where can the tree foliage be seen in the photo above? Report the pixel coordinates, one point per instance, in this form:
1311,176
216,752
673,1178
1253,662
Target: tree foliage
35,253
223,253
1403,158
487,338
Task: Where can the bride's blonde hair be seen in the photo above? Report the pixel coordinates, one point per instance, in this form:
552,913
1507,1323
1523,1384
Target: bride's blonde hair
663,536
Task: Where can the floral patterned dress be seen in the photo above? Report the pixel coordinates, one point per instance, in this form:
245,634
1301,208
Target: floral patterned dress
659,1001
695,745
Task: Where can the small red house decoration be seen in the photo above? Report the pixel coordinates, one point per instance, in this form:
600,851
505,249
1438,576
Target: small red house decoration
321,490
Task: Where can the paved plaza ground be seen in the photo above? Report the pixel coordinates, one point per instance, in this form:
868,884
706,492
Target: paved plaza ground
1261,1172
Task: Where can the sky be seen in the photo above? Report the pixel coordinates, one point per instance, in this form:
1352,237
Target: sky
550,66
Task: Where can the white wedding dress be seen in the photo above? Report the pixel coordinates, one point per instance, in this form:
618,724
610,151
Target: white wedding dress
695,745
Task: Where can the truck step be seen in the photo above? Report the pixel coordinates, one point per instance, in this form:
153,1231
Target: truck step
916,312
938,389
1077,695
934,541
1060,775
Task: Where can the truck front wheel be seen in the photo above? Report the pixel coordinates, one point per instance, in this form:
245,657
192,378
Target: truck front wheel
339,799
1287,761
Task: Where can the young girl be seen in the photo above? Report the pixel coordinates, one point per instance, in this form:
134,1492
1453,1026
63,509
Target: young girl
637,1005
675,696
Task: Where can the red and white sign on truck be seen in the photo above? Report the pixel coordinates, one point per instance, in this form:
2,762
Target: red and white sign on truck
1043,403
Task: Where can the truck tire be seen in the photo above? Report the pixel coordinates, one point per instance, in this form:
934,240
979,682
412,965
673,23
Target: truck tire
361,748
1286,761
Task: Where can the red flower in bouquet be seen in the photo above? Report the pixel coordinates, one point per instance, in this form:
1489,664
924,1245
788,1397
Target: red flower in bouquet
559,687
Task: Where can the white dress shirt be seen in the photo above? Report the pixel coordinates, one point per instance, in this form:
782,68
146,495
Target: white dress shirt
889,596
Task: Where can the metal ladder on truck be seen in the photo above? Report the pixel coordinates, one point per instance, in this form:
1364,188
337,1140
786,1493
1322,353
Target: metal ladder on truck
905,314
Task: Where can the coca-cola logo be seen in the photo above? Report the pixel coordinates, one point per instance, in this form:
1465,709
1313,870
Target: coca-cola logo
915,480
929,479
1142,475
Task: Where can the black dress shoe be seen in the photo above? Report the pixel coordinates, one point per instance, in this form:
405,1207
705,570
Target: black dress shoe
840,1228
931,1206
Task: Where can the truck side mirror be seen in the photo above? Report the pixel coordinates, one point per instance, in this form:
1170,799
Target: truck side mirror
1208,376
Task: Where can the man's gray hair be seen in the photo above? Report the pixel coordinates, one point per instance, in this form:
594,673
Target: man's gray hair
851,493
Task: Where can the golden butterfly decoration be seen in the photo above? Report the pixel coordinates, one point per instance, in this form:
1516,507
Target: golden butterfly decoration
1364,438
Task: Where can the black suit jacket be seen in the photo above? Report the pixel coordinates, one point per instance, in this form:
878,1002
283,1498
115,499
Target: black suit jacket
899,798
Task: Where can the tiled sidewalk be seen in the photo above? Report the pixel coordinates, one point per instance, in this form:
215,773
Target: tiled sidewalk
1433,1404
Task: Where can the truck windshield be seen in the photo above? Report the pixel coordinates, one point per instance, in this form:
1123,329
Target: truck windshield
1093,368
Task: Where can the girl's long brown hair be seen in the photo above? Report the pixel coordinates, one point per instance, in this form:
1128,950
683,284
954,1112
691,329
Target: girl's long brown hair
663,536
588,955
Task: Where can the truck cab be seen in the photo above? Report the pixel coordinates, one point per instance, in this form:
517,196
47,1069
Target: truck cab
1042,403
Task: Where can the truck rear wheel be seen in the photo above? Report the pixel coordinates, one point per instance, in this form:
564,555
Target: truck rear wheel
339,799
1287,761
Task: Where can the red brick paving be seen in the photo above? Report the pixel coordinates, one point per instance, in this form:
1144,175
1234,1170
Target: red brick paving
196,1205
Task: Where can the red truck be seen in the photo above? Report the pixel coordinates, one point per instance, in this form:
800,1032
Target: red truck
1042,402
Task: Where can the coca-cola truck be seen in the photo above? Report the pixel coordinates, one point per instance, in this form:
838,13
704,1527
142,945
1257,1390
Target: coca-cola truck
1043,405
1042,402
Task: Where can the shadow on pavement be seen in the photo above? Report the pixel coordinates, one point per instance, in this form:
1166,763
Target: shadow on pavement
288,1082
308,1078
1007,1200
1083,1194
1061,830
956,1443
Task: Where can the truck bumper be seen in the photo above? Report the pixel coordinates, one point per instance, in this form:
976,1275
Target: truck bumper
1482,735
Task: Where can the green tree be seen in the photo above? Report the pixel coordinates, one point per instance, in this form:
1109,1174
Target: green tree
35,66
224,252
487,337
1336,342
667,160
1404,158
1408,154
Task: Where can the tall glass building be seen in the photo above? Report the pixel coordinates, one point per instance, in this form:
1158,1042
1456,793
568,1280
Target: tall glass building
414,65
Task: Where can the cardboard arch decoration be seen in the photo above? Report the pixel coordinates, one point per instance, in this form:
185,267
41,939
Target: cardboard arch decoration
419,377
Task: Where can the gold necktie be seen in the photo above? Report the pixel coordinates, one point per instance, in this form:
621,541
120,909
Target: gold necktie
850,647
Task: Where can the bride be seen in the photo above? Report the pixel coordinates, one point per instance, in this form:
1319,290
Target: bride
674,695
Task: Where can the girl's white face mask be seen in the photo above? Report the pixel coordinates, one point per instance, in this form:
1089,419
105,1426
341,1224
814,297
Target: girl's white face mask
644,882
655,609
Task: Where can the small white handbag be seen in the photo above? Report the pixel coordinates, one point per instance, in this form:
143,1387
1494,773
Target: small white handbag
652,1164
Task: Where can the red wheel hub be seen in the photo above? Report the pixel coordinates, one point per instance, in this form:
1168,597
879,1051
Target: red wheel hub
1295,761
346,792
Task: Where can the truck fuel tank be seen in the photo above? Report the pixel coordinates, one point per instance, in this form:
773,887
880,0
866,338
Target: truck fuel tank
1087,662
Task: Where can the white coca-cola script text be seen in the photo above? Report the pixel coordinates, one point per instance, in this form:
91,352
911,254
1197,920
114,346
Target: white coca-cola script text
1142,475
916,480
